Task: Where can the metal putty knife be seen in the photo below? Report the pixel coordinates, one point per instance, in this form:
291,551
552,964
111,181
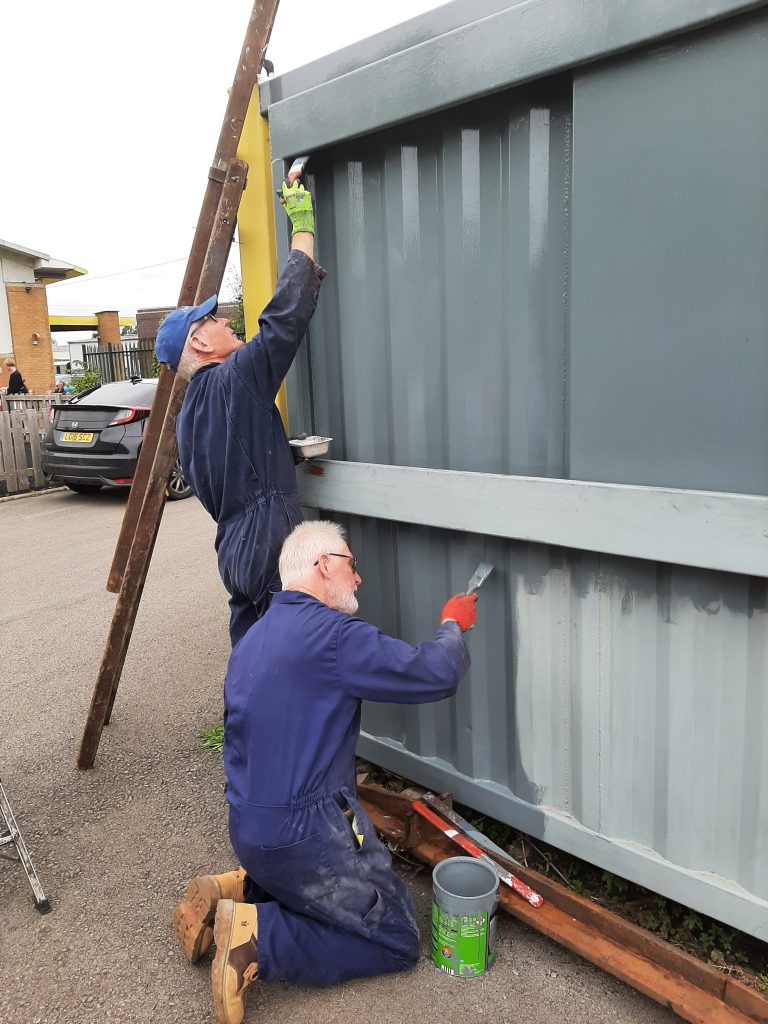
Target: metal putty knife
481,574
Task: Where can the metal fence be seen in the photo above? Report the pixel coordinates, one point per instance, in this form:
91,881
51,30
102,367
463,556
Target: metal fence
121,362
542,343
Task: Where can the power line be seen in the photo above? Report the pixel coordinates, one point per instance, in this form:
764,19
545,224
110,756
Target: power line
118,273
134,270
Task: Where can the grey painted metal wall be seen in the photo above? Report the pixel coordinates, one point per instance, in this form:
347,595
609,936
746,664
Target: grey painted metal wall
565,280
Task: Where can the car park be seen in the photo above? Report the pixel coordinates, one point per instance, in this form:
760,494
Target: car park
94,440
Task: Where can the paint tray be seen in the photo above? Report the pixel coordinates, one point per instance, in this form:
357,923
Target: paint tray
308,447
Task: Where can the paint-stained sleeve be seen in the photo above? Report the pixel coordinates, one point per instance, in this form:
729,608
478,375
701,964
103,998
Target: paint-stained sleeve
263,363
373,666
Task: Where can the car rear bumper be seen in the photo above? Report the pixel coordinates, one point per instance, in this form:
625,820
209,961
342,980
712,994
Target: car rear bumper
89,469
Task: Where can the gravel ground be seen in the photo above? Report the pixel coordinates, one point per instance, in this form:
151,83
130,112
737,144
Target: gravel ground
115,846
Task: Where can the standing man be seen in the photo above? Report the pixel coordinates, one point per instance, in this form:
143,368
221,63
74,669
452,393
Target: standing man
321,902
232,445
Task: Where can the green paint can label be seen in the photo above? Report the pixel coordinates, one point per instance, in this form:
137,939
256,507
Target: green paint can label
465,899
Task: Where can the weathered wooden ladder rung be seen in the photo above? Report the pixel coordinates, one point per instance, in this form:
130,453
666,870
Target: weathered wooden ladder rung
9,833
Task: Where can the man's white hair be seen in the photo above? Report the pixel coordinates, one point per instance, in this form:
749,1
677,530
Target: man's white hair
189,363
304,545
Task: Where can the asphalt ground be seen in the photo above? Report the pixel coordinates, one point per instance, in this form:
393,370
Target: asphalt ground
115,846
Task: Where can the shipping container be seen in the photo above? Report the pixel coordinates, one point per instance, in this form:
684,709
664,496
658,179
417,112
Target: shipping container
543,342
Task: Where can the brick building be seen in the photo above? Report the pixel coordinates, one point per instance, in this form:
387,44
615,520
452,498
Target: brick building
24,321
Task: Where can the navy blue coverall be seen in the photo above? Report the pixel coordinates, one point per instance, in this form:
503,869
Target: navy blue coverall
329,908
234,451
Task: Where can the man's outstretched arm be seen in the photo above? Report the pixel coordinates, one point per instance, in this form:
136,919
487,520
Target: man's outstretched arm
373,666
284,321
304,242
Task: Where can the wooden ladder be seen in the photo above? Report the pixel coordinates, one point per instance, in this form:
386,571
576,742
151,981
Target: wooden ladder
205,271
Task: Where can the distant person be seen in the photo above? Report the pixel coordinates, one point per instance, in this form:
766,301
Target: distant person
59,388
16,385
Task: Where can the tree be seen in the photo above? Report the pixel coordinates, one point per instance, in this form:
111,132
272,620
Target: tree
84,378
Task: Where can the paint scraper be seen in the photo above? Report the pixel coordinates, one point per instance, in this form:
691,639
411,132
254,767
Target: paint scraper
480,575
296,171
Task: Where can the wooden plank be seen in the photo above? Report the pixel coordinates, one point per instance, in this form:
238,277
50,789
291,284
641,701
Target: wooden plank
7,463
711,530
613,927
35,448
601,946
746,1000
19,452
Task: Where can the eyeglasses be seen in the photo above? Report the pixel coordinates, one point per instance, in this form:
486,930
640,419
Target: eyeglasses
199,323
337,554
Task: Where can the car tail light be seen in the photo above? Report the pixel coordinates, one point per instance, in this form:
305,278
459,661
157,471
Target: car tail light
50,413
128,416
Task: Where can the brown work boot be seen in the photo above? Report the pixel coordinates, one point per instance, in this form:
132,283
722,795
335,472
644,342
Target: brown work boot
194,916
235,964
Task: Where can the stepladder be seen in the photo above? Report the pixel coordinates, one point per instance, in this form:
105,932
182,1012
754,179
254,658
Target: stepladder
11,836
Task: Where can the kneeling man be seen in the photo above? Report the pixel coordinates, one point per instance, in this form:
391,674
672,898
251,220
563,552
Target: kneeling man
321,901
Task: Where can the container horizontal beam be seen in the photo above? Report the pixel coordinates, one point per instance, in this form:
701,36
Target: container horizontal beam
402,36
517,45
707,529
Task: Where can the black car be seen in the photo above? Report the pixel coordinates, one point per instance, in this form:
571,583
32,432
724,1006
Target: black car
95,439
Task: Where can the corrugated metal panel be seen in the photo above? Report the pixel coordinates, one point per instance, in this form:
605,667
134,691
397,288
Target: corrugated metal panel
565,280
441,336
609,700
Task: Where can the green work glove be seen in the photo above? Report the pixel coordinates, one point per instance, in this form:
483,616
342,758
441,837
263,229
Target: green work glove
298,205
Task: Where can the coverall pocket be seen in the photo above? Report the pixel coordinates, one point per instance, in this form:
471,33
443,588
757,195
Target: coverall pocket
296,875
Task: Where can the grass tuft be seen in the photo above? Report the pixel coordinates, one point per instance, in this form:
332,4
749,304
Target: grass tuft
213,738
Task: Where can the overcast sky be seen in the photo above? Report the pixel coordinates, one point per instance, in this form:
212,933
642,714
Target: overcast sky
110,118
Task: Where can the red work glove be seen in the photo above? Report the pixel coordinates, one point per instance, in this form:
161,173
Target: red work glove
461,609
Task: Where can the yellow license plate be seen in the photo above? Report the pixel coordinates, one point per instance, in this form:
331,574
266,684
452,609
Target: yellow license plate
78,438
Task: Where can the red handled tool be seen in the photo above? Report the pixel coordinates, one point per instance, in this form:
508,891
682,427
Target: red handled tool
464,826
466,844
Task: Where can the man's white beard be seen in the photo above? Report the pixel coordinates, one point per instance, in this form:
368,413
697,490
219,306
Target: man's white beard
342,600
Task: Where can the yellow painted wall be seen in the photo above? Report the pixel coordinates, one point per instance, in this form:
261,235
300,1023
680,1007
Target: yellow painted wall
256,227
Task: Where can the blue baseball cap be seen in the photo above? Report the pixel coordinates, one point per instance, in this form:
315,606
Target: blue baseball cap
172,335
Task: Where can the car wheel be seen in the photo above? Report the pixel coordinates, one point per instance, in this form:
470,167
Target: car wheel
82,488
178,487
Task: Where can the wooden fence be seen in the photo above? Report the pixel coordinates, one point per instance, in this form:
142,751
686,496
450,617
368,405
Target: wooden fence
23,424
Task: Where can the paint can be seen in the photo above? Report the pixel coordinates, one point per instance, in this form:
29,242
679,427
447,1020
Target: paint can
465,898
